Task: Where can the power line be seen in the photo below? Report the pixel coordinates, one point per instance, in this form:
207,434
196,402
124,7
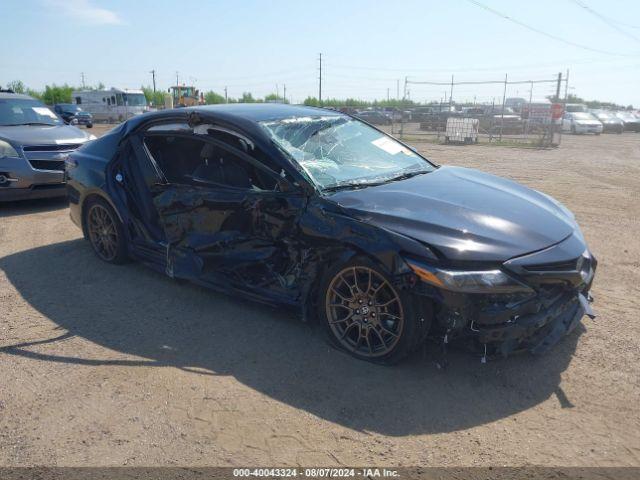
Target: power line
496,68
541,32
485,82
606,20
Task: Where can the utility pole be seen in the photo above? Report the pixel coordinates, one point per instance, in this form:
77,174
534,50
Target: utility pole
226,98
398,89
284,93
153,75
82,76
504,99
526,125
404,95
320,82
387,94
177,80
566,87
451,94
558,86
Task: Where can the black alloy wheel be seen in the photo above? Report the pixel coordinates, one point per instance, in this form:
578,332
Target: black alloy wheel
364,312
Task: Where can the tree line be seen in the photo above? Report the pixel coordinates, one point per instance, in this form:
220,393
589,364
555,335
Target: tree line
53,93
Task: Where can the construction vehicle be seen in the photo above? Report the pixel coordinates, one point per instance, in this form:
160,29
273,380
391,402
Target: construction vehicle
186,96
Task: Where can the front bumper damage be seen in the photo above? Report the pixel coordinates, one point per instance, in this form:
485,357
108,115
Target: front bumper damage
536,332
501,323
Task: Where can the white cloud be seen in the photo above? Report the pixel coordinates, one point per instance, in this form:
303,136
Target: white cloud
83,11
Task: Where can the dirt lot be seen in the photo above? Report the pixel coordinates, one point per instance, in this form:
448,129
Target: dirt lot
105,365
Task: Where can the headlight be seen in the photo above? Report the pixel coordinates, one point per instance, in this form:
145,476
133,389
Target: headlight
469,281
6,150
92,136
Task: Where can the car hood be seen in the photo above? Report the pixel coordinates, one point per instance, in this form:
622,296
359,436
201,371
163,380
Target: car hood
43,135
465,214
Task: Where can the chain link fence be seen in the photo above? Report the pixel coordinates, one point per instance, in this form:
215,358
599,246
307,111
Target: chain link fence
497,111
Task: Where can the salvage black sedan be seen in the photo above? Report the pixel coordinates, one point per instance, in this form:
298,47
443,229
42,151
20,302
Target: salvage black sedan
318,210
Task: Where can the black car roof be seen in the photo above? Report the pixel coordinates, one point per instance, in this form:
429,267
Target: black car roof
239,112
259,112
243,115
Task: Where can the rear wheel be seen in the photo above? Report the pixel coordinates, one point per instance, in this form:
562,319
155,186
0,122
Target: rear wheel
365,315
105,232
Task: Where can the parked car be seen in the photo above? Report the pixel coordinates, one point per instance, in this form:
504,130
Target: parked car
576,107
581,122
73,115
395,114
515,103
427,113
34,143
610,123
374,117
314,209
630,120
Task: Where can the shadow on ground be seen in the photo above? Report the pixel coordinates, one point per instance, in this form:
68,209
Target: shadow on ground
133,310
25,207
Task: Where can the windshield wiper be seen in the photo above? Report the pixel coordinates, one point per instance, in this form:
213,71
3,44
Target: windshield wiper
351,186
357,185
28,123
406,175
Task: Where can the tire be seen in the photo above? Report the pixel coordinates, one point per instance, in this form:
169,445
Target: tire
89,125
366,316
105,231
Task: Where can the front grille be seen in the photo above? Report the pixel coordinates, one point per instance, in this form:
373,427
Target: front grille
51,148
48,165
48,157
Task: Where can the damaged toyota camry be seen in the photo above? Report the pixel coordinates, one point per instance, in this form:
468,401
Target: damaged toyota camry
315,209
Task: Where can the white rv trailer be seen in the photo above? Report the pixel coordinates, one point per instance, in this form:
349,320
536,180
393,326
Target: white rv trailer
114,105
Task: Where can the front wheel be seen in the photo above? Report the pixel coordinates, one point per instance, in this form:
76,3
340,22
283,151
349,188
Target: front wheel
367,316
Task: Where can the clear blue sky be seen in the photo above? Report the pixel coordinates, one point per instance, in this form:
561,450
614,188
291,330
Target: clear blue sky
252,45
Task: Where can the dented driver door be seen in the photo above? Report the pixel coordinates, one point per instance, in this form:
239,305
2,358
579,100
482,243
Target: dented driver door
231,236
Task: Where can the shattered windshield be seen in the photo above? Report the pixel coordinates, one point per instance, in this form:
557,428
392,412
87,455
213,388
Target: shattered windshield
341,152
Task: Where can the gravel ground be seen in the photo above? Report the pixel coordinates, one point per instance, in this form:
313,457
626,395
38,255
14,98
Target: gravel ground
105,365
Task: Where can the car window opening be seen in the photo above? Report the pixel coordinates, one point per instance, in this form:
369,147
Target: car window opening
192,161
